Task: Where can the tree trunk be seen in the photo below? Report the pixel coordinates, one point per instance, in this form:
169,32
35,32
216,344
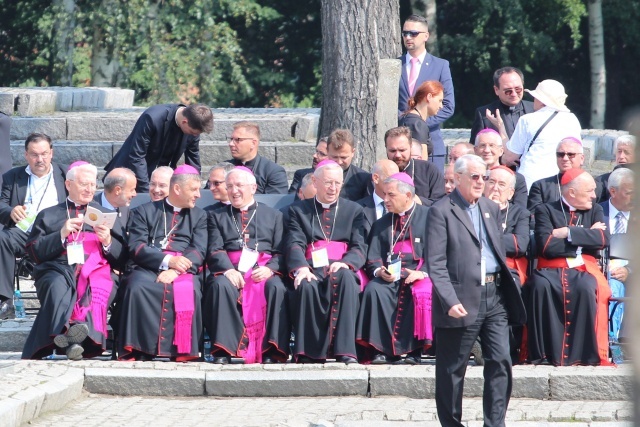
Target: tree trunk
104,60
427,8
64,40
598,68
356,34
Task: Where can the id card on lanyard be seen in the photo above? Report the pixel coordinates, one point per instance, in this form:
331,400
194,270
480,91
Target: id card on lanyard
75,253
248,259
320,258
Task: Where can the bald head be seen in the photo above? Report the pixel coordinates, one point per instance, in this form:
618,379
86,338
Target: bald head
120,187
580,192
460,149
381,170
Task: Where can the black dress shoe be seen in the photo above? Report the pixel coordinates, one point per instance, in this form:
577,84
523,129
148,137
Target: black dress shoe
346,359
143,357
222,360
414,358
307,359
379,359
7,311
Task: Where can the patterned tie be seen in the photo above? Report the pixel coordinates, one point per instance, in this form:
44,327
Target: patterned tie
413,75
384,209
620,226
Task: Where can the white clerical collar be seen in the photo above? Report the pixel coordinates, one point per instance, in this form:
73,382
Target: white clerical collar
175,209
76,204
405,212
325,205
226,202
246,207
105,202
571,208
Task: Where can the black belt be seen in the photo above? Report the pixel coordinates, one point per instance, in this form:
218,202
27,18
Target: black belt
492,278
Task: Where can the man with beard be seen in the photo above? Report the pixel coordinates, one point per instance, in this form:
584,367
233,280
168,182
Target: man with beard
395,312
429,181
161,311
72,273
325,249
567,296
245,310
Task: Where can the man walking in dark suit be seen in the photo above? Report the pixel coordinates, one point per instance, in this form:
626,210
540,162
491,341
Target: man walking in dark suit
160,137
25,192
474,295
418,66
508,84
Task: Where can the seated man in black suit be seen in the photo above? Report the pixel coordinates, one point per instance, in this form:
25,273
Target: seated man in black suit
26,191
373,204
271,178
429,181
341,148
508,84
319,155
217,185
160,137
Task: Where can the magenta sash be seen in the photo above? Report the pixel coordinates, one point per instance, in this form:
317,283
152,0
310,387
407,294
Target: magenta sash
336,250
184,306
254,310
421,291
95,273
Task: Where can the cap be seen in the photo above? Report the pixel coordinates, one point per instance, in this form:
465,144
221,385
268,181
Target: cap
403,177
570,175
186,170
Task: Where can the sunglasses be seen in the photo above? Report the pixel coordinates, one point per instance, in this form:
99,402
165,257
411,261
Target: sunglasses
215,183
561,154
477,176
517,90
412,34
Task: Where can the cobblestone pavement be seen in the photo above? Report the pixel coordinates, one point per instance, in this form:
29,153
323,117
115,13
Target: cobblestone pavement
95,410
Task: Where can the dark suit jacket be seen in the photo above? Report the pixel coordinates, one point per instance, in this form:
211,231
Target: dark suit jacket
270,176
5,144
369,209
14,189
453,261
510,119
433,68
297,180
602,183
156,140
121,229
428,179
355,183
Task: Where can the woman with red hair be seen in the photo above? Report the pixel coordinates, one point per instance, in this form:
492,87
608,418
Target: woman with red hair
426,102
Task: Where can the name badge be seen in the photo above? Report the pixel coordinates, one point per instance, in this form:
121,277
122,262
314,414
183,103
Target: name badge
575,262
28,221
75,253
320,258
395,268
248,259
483,270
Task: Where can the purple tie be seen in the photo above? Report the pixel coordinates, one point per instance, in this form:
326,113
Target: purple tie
413,75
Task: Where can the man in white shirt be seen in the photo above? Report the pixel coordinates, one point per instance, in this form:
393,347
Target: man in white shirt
533,143
373,204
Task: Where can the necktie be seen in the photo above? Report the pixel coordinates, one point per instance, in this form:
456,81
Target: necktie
413,75
620,226
384,209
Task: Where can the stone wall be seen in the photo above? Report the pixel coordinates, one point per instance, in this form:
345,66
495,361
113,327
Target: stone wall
288,136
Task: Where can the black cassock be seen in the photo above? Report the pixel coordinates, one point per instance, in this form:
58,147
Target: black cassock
271,178
56,280
355,182
222,306
386,316
514,222
324,311
147,315
561,302
429,180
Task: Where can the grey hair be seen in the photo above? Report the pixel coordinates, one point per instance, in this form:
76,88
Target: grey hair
183,178
403,187
496,136
71,175
625,140
306,180
225,166
619,175
570,141
250,178
163,169
117,178
462,163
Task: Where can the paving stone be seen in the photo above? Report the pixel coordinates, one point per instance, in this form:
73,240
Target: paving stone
395,382
530,383
11,411
306,128
144,382
294,154
602,383
21,127
398,415
35,102
7,102
91,128
33,399
62,390
110,98
271,128
286,383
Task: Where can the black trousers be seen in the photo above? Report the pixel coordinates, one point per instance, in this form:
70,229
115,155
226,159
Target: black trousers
452,356
12,241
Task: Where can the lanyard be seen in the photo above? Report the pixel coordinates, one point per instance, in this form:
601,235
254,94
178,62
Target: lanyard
333,226
402,233
241,241
69,217
33,192
506,218
164,241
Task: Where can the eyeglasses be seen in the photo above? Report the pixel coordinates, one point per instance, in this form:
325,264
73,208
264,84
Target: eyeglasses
477,176
561,154
230,187
489,146
412,34
215,183
236,140
500,185
321,154
510,91
329,184
36,156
